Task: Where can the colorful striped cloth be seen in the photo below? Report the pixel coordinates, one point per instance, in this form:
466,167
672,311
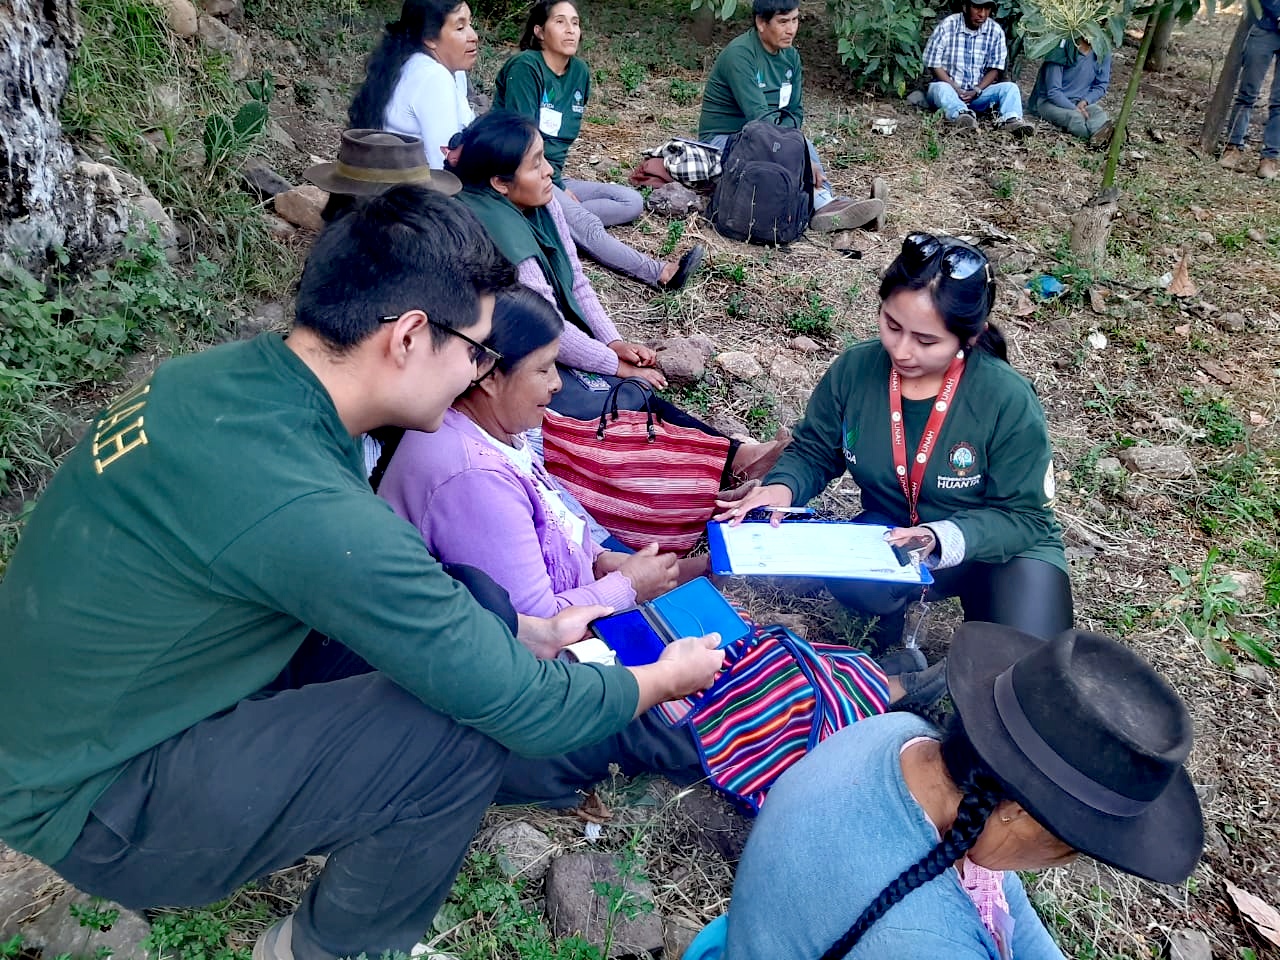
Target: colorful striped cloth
777,699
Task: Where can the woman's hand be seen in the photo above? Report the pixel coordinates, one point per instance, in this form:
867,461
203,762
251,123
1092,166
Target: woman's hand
913,539
571,195
607,562
735,508
635,353
651,573
652,375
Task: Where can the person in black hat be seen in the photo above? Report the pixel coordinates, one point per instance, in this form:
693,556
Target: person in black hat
893,840
372,161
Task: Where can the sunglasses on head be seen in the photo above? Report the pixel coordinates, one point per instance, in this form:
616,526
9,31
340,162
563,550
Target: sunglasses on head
959,260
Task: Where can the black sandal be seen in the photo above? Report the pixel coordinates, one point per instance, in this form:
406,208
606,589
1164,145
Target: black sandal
689,265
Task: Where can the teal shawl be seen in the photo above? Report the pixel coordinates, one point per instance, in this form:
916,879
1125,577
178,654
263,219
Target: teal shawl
523,235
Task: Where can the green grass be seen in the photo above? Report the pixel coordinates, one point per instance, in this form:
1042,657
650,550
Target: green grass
814,319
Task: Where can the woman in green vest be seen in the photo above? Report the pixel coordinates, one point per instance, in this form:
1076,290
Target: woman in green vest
948,445
550,85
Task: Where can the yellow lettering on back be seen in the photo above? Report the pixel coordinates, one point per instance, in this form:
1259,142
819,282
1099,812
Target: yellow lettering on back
113,439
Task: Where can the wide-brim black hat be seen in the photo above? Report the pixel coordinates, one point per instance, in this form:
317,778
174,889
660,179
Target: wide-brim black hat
371,161
1088,738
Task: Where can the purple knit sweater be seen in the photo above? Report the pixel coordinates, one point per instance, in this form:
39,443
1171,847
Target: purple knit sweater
576,348
473,505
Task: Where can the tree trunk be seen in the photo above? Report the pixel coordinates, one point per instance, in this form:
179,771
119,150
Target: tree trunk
1215,115
704,24
1090,227
47,199
1163,24
1126,108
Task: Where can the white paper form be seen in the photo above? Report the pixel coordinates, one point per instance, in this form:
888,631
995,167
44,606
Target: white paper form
855,551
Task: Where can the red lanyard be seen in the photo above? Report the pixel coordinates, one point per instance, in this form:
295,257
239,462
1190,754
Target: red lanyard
932,429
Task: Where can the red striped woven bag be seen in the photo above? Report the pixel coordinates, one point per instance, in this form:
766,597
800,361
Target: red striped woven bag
641,478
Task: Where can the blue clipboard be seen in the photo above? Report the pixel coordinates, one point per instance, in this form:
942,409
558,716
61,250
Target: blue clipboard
832,549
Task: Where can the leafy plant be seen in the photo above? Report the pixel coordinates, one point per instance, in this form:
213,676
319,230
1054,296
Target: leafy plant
95,915
931,148
228,139
200,934
881,40
815,318
621,901
631,75
1213,414
675,230
684,92
1208,609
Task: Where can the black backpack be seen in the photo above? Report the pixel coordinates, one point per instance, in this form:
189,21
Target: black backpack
765,192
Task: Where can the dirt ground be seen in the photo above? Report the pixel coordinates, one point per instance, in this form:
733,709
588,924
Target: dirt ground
1118,361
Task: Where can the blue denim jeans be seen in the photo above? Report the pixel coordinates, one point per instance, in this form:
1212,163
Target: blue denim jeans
1006,96
1261,47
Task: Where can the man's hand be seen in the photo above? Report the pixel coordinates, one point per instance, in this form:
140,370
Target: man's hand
968,96
735,509
546,637
1083,107
686,666
651,573
819,181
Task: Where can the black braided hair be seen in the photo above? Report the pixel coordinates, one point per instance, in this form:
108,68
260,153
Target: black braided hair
982,792
390,438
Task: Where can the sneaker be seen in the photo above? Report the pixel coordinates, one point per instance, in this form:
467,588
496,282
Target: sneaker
1016,127
1102,136
276,942
846,214
923,688
880,191
1231,158
1267,169
964,120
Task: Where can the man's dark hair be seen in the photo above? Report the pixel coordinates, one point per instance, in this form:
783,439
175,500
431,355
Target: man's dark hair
766,10
409,248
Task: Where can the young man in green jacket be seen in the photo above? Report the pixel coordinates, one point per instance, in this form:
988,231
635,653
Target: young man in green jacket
223,652
758,74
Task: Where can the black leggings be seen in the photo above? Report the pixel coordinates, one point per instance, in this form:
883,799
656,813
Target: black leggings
1030,595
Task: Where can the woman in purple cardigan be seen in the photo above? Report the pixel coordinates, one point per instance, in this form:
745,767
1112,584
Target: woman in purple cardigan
478,495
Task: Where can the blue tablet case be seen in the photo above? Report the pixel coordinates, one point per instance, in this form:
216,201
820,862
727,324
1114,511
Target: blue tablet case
638,635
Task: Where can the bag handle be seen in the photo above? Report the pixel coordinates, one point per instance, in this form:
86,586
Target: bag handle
611,406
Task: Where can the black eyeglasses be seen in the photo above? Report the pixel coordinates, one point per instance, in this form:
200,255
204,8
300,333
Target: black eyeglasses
485,358
960,260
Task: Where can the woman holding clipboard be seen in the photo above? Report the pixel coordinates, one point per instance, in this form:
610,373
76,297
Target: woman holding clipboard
948,445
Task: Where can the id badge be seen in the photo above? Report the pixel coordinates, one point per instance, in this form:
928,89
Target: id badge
784,95
549,120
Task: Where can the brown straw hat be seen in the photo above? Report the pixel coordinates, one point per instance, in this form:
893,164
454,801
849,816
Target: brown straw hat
1088,738
370,161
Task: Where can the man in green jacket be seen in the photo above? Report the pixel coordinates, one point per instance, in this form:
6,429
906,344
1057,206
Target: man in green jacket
223,652
759,74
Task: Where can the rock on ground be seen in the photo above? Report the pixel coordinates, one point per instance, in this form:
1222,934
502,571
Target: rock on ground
36,904
739,364
263,181
805,345
216,35
674,200
678,933
522,849
1189,945
784,370
182,16
573,906
302,206
1165,463
683,360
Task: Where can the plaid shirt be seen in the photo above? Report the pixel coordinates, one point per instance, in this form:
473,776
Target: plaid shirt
966,54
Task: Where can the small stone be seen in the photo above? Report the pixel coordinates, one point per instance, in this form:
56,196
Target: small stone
1215,844
1097,339
182,16
522,849
151,211
917,99
1217,371
805,345
1189,945
1109,468
1198,212
278,227
1232,322
218,36
1161,462
1097,302
262,180
674,200
1043,208
739,364
302,206
167,96
1253,672
729,425
281,137
1256,235
1207,238
677,934
1248,584
229,10
682,361
784,370
574,907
